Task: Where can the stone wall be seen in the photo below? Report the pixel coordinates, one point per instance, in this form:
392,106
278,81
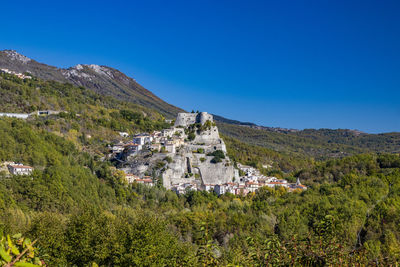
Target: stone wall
208,137
186,119
203,117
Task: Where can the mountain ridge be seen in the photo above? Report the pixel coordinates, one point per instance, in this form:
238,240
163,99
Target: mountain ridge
101,79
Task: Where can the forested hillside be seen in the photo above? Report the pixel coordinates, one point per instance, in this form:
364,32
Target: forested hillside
320,144
87,118
82,211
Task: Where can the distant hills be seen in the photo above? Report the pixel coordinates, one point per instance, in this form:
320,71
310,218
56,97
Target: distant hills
107,81
317,143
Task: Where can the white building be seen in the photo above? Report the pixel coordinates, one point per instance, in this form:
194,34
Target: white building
221,189
133,148
170,148
167,132
19,75
277,184
155,147
252,186
209,187
183,188
248,170
146,180
131,177
20,169
142,139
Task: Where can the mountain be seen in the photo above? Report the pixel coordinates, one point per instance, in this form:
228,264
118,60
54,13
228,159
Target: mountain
101,79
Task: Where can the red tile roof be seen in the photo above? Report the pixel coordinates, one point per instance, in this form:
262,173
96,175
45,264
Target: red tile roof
21,166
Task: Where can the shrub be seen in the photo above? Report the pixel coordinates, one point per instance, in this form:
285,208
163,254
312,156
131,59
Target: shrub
160,164
168,159
217,153
216,160
191,136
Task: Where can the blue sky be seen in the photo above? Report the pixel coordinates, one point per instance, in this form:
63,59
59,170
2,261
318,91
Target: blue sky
295,64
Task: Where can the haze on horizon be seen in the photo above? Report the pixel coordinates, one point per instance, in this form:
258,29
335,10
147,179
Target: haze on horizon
292,64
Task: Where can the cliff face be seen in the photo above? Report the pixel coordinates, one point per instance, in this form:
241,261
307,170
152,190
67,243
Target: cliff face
101,79
190,168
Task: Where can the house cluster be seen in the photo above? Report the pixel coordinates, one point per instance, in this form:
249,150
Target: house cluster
252,185
251,181
16,168
167,140
182,188
131,178
19,75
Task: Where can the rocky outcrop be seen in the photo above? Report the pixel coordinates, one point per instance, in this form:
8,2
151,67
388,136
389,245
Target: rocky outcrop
190,162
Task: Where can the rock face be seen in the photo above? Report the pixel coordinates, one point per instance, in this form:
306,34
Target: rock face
190,163
189,167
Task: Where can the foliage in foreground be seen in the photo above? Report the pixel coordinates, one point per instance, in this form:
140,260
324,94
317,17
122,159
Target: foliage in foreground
18,251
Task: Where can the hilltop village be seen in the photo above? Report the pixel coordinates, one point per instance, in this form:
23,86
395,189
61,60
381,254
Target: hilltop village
190,155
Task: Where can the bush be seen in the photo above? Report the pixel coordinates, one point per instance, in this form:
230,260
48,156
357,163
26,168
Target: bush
216,160
160,164
200,151
168,159
191,136
217,153
218,156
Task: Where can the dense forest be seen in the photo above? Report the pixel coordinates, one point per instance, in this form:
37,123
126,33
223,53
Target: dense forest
81,212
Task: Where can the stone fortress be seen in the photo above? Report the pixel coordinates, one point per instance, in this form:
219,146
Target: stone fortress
190,163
